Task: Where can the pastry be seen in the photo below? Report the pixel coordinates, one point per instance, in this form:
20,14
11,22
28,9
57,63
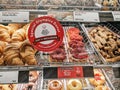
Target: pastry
11,55
57,2
27,53
74,84
4,33
58,55
7,87
55,85
33,76
19,35
76,45
106,42
99,78
102,88
12,27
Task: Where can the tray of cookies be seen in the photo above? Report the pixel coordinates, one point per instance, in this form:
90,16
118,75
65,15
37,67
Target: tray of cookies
99,82
105,39
75,49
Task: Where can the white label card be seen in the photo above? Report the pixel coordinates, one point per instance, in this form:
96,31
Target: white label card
116,16
8,76
86,16
14,16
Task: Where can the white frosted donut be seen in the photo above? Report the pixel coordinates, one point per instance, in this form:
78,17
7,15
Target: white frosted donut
74,84
55,85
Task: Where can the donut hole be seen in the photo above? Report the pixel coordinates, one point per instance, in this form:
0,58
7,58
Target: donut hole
74,84
55,84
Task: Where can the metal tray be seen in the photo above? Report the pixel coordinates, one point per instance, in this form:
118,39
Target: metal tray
92,59
111,28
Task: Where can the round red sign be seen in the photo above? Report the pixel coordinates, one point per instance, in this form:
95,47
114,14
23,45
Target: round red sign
45,34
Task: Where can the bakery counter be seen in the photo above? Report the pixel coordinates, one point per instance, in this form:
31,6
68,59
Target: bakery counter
105,40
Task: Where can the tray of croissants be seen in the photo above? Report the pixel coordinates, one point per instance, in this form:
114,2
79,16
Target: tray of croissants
99,82
33,84
15,48
106,41
75,48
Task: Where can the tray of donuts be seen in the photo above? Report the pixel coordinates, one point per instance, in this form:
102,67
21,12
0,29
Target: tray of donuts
15,49
99,82
78,45
106,41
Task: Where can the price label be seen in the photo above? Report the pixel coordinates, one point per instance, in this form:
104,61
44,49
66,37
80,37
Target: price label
116,16
9,77
86,16
9,16
116,70
70,72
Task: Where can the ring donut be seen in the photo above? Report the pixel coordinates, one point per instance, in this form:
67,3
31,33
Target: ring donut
74,84
55,85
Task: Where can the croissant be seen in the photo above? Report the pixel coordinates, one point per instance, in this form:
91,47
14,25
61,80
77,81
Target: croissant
11,55
4,33
2,46
7,86
19,35
1,60
27,52
13,27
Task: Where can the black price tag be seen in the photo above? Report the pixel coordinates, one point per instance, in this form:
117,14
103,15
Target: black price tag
106,16
23,77
116,71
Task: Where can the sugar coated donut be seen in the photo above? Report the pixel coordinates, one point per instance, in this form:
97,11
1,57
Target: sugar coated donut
74,84
55,85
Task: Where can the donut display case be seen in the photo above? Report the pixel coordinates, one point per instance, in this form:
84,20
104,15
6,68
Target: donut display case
87,59
100,81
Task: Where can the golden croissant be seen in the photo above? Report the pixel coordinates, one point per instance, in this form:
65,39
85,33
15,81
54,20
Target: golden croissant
4,33
11,55
13,27
27,52
19,35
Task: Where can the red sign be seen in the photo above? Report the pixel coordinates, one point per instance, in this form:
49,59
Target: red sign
70,72
45,33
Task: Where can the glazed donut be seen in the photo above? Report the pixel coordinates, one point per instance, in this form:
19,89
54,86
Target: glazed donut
101,88
55,85
74,84
99,78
